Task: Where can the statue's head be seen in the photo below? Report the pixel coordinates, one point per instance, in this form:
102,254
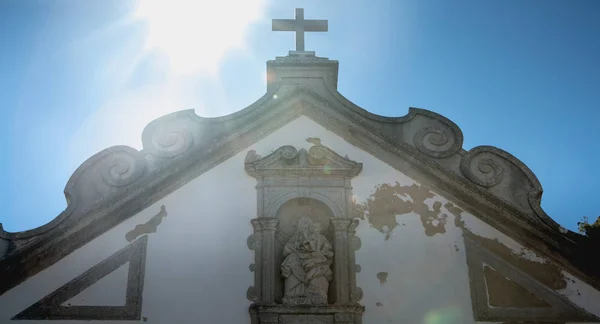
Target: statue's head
305,225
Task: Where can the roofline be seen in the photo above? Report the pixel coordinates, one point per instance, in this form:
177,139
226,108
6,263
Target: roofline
116,183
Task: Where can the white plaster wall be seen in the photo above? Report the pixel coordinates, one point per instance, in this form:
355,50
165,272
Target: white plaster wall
197,262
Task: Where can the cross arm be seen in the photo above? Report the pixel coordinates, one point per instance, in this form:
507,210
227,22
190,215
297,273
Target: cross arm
284,25
310,25
315,25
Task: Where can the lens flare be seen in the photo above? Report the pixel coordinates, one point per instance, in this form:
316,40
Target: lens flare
448,315
196,34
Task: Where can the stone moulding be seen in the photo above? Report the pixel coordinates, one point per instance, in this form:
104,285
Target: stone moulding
318,160
118,182
330,314
559,308
52,306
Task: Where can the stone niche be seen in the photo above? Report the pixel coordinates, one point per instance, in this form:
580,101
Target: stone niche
304,237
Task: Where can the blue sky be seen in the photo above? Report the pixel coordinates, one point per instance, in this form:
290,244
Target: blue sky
79,76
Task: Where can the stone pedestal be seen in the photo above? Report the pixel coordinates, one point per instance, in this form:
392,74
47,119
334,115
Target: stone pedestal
328,314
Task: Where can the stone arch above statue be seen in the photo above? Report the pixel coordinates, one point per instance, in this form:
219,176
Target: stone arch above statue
312,194
294,209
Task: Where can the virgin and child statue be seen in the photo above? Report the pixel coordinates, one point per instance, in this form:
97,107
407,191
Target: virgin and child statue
307,265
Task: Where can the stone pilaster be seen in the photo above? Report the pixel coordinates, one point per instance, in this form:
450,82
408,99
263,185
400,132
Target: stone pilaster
254,293
341,275
354,244
268,227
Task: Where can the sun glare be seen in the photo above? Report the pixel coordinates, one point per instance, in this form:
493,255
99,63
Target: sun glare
196,34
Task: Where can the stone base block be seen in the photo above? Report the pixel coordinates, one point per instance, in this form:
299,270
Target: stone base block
305,314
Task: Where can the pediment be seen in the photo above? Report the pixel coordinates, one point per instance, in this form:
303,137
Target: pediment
118,182
287,160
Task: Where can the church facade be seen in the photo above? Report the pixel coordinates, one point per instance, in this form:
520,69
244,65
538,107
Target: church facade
301,208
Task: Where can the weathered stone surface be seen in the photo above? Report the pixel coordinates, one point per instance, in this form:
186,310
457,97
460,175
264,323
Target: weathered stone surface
306,266
488,305
51,306
308,314
502,292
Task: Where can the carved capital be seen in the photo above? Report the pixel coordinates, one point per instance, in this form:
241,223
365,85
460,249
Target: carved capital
341,224
256,225
266,224
353,226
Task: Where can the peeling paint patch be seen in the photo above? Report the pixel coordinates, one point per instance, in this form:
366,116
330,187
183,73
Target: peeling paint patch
149,227
251,156
480,228
581,294
314,140
389,201
382,276
457,212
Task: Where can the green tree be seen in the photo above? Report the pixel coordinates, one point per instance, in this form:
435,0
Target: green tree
591,230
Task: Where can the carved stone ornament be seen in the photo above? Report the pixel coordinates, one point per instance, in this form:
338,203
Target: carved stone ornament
482,167
318,160
304,237
307,266
438,142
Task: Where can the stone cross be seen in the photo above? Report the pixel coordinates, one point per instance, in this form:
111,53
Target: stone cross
299,25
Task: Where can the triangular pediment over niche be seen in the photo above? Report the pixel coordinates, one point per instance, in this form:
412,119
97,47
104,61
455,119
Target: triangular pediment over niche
502,292
64,303
317,161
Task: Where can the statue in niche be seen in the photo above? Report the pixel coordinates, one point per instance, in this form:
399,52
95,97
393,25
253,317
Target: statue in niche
307,265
